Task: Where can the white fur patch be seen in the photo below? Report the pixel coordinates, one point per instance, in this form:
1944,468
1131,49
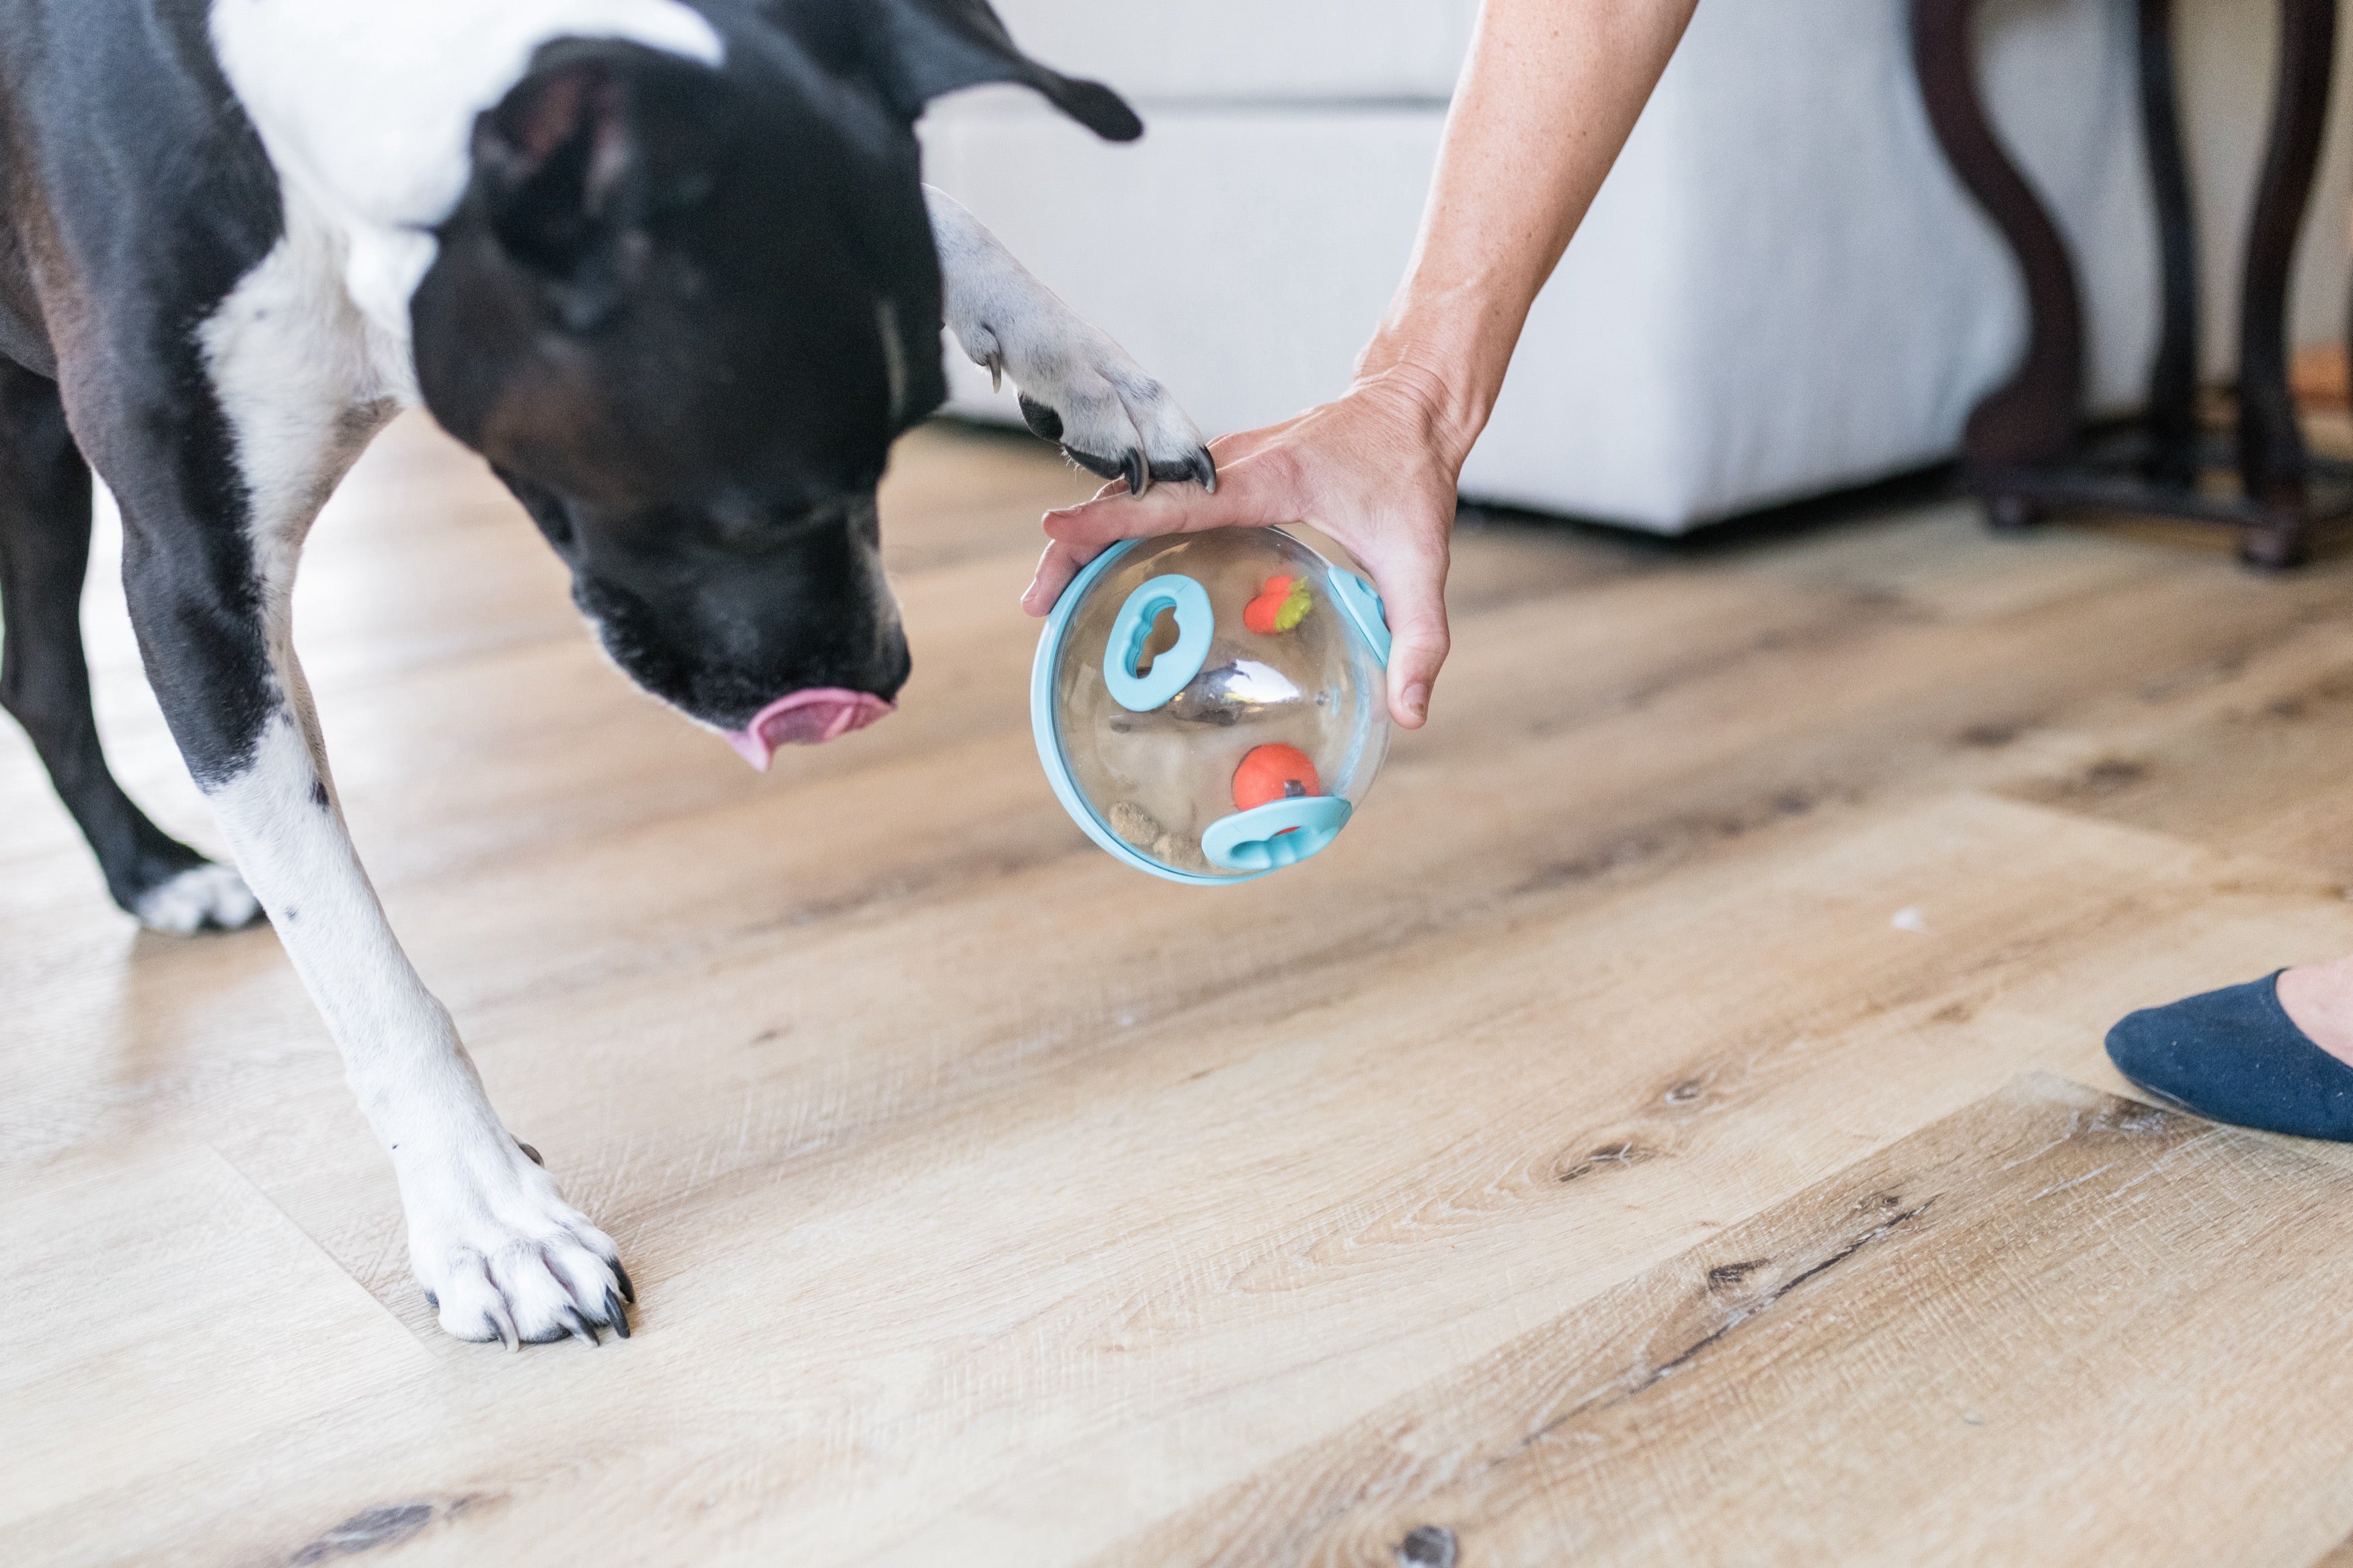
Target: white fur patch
199,898
367,108
396,1040
305,380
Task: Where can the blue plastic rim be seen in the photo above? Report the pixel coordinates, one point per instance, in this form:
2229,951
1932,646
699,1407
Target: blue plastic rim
1173,671
1280,833
1362,603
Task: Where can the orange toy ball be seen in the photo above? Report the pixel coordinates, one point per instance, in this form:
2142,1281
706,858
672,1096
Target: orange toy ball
1273,772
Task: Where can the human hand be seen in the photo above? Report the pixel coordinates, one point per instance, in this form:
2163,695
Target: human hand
1375,469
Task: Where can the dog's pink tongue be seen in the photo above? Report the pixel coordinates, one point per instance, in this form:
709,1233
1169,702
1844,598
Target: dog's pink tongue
807,718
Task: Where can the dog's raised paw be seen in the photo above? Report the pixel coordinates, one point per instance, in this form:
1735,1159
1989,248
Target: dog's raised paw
203,898
1117,423
503,1258
1078,388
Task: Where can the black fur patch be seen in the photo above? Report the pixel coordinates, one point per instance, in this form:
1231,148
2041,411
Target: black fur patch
133,177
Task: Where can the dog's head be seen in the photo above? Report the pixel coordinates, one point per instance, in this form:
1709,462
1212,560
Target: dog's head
684,311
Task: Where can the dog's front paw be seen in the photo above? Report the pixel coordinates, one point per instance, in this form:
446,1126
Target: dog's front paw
203,898
502,1257
1115,421
1078,387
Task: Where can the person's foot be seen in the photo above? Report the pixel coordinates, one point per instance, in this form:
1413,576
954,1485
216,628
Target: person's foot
2318,1000
2240,1054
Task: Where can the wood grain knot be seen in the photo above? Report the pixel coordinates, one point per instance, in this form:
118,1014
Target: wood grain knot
2110,774
1616,1153
366,1532
1733,1276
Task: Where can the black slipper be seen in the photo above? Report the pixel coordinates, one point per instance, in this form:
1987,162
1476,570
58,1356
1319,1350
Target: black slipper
2235,1055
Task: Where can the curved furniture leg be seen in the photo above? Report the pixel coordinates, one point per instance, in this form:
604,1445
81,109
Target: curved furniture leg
2031,417
2173,375
2271,459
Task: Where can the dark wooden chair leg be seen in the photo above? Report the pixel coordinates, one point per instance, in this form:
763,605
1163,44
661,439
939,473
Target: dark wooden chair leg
2032,417
2024,452
2272,457
2173,375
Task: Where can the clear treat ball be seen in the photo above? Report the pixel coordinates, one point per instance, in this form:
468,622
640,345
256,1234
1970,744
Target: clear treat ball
1211,707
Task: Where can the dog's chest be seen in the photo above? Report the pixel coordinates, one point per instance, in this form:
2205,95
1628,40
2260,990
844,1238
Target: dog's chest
367,110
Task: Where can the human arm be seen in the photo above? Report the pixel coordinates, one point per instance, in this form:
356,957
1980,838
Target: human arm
1548,94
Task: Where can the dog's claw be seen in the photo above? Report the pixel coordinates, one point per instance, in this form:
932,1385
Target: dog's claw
629,1291
531,1153
997,372
1204,470
433,1300
1139,472
583,1305
579,1327
617,1315
502,1328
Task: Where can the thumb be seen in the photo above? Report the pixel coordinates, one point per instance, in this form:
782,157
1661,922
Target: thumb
1413,595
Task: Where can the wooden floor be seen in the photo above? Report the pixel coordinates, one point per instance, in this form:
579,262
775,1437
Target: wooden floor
1669,1127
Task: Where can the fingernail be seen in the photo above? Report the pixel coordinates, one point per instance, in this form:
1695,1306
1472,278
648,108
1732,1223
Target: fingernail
1417,699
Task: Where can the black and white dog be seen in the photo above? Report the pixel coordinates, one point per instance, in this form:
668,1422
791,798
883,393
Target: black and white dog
668,266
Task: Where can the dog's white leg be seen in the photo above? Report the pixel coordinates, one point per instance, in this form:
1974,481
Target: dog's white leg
1078,387
491,1239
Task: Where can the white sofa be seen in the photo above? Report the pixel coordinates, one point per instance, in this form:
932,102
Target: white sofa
1780,290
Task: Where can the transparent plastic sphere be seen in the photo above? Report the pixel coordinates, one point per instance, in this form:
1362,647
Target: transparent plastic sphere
1211,707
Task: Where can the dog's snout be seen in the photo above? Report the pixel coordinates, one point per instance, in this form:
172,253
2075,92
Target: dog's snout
807,718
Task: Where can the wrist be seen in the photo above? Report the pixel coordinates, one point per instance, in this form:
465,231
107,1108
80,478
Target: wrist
1444,365
1421,399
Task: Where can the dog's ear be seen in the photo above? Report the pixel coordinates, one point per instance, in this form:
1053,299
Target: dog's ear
590,150
919,50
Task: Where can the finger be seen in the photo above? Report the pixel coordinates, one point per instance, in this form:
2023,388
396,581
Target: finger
1055,569
1251,492
1065,558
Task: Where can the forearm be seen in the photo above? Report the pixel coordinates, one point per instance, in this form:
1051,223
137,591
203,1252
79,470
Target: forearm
1548,97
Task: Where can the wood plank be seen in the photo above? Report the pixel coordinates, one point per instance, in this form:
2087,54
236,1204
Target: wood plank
172,1359
2244,753
2035,1331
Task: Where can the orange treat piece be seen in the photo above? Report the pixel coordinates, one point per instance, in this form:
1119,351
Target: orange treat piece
1263,614
1259,613
1274,772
